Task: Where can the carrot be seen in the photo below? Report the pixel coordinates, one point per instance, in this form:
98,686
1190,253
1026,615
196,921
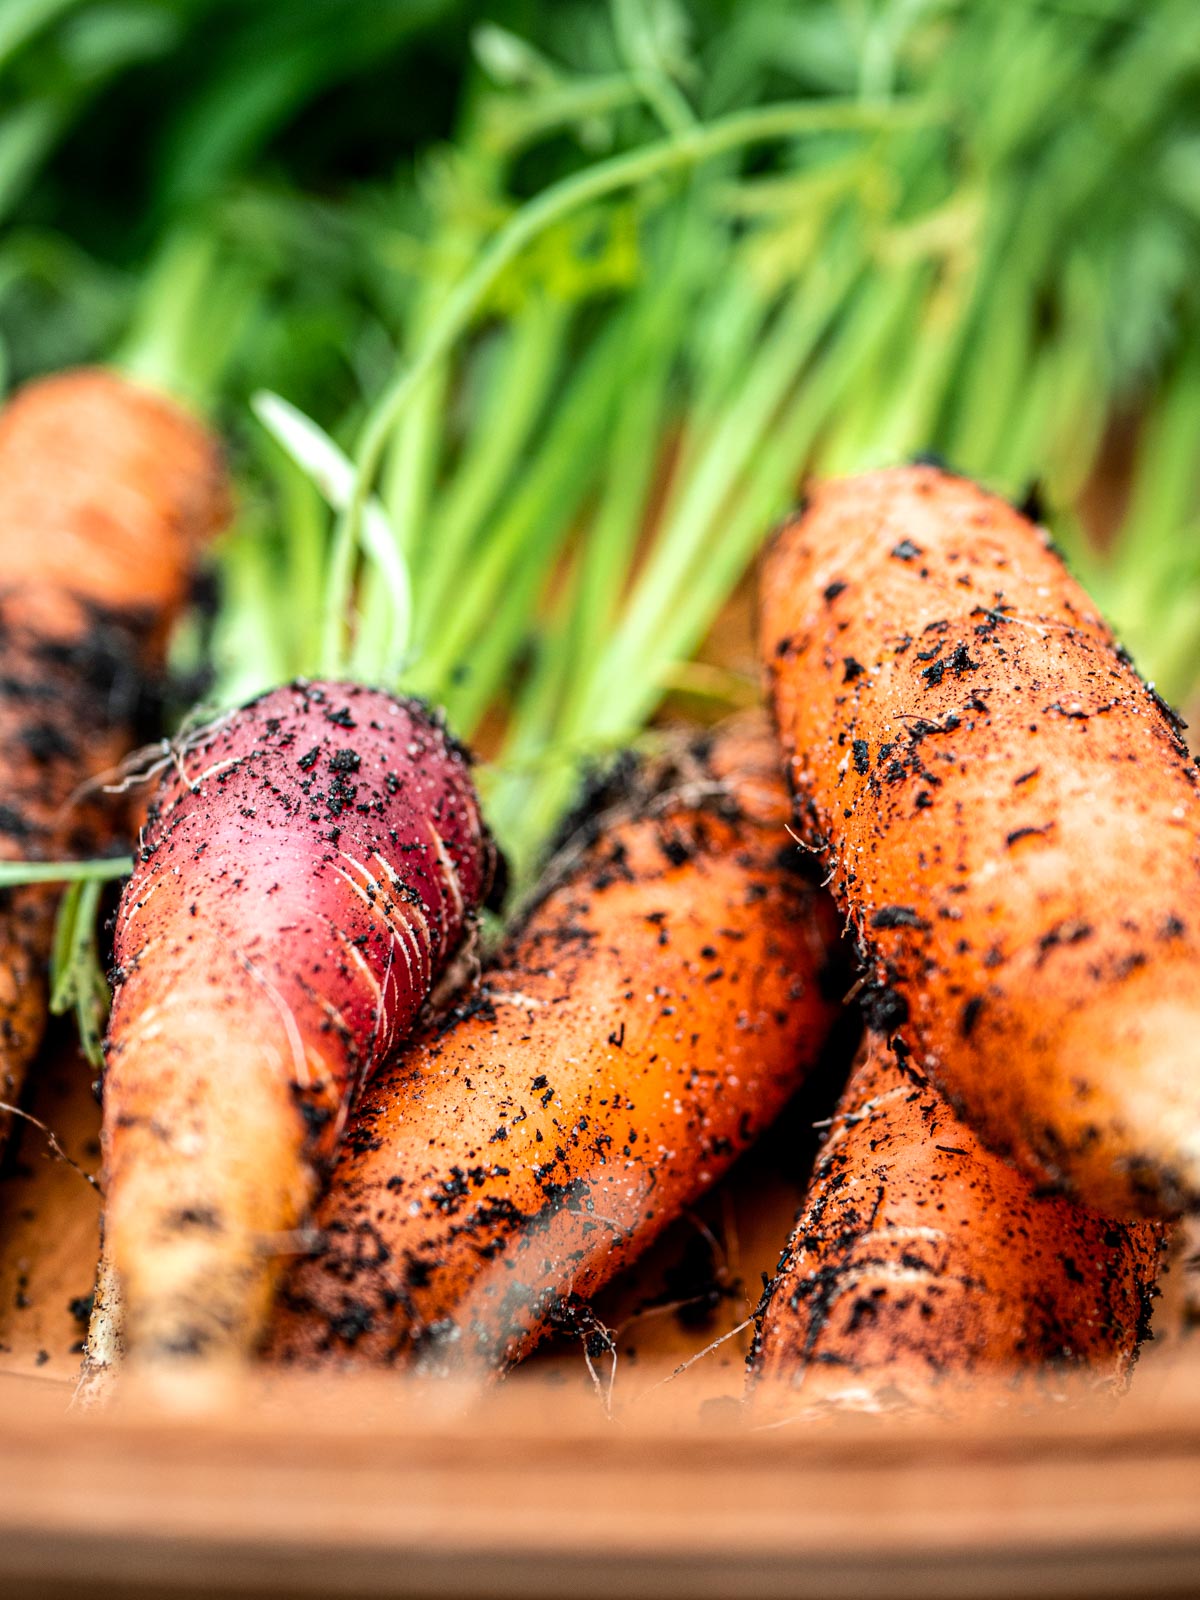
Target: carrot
311,865
654,1012
1009,819
923,1265
106,492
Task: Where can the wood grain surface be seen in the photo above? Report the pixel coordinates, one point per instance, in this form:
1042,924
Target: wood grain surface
371,1490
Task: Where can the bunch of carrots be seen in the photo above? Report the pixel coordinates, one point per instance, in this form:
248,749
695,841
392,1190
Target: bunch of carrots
370,1096
339,1130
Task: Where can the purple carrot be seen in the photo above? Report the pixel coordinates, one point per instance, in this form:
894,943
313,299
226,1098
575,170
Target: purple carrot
311,865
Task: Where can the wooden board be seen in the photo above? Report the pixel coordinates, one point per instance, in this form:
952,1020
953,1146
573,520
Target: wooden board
371,1491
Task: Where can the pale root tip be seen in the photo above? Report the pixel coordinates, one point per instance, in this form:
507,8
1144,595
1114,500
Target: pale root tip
1141,1055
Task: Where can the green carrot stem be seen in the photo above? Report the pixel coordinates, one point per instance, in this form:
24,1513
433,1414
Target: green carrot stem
662,594
412,468
74,935
477,634
27,135
907,425
759,125
19,23
608,544
305,554
658,346
530,750
1082,388
414,461
529,361
1165,481
637,664
178,279
994,381
637,45
577,102
856,438
14,873
251,642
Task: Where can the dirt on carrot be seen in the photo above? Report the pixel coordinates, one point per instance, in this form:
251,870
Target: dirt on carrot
311,866
1010,822
658,1006
925,1271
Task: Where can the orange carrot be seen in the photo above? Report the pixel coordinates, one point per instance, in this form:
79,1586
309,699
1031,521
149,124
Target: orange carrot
1010,822
651,1016
106,493
311,865
924,1270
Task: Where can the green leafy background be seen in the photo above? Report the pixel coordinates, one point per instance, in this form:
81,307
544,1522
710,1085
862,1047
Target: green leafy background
527,494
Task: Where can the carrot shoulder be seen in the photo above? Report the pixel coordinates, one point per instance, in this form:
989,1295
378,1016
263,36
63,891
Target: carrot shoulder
106,493
655,1011
1010,821
311,865
925,1271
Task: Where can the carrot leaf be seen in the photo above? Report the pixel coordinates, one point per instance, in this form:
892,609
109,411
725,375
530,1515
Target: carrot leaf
77,979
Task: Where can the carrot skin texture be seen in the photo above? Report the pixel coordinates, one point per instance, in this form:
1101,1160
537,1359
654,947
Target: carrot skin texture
306,875
106,495
925,1271
1010,821
656,1010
